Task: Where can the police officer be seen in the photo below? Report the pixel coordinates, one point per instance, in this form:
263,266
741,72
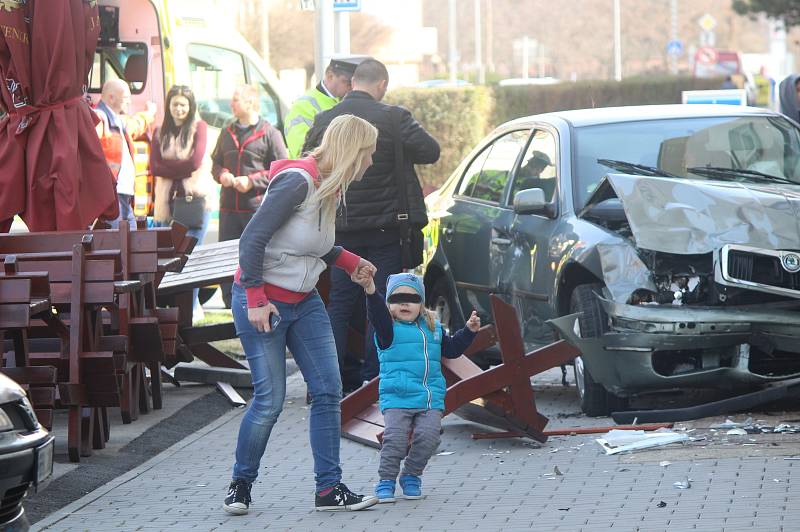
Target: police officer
324,96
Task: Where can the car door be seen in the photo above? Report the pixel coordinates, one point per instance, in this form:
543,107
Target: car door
477,228
529,272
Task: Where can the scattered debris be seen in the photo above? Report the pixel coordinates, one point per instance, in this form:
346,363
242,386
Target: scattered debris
662,504
551,451
620,441
737,432
665,463
685,485
732,424
445,453
792,458
557,472
564,509
623,470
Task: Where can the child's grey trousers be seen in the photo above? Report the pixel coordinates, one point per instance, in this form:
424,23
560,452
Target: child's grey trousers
426,425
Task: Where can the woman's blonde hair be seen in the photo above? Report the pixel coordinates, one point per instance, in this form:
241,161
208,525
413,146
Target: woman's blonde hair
347,140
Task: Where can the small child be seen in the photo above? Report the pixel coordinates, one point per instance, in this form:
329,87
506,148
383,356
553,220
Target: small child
410,345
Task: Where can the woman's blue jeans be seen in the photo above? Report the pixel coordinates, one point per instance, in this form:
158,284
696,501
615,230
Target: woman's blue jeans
306,330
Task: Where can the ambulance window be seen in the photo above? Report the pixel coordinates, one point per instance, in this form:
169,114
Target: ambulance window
215,74
268,99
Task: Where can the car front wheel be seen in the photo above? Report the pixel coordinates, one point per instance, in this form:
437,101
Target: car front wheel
592,323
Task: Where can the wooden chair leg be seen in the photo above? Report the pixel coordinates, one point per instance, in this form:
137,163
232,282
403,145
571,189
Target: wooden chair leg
106,424
155,384
127,398
74,434
87,431
99,433
144,390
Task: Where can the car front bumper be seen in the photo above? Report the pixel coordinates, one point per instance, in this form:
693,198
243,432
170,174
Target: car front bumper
727,346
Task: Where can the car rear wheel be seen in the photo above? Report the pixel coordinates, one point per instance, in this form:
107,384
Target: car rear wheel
592,322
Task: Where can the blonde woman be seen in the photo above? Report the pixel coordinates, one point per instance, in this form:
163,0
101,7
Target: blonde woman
282,252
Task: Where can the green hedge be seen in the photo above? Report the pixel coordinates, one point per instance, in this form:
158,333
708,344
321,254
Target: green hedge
514,102
456,117
459,117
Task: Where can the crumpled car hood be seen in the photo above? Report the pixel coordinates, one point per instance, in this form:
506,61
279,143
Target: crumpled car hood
685,216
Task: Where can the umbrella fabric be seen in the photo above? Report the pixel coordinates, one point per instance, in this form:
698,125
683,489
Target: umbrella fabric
53,173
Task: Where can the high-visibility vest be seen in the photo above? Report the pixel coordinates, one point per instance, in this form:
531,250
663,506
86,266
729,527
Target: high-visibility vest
111,141
301,118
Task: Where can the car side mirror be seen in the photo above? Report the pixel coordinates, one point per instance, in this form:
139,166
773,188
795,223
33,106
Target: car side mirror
531,201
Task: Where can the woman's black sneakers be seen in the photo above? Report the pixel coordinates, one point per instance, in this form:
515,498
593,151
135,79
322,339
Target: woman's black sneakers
238,500
341,499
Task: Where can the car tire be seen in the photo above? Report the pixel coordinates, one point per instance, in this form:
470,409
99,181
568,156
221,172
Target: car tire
440,300
593,322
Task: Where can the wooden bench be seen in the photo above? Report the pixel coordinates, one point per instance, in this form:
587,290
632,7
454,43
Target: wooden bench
22,297
92,367
143,255
501,396
207,265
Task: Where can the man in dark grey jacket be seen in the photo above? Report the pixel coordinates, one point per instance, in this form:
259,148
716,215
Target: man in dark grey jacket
367,223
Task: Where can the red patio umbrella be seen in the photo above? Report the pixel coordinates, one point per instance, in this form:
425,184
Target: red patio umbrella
52,169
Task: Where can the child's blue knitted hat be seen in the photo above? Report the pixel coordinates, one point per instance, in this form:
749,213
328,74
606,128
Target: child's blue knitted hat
405,279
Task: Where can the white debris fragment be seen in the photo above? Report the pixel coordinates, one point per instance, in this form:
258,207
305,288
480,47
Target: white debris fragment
665,463
737,432
619,441
445,453
685,485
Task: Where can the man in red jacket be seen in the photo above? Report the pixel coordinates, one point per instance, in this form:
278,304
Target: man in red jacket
241,162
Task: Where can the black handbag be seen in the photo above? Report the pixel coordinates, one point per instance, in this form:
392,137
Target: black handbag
189,211
411,237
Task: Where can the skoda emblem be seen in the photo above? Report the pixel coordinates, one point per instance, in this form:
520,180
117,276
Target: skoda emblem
791,262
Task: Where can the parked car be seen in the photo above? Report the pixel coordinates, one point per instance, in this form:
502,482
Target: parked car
26,454
673,231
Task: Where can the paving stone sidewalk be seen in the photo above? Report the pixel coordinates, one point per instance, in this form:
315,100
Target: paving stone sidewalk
483,485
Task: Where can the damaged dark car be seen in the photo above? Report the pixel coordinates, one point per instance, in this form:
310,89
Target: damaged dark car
663,241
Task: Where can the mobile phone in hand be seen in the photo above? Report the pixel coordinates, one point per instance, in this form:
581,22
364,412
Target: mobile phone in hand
274,320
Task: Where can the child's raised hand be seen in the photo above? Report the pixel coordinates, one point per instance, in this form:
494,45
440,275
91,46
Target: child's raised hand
363,278
474,322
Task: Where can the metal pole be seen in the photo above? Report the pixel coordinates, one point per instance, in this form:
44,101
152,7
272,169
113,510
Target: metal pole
489,36
617,43
673,58
323,37
265,30
525,46
479,44
341,40
451,37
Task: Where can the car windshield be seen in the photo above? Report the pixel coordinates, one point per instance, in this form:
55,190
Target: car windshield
760,146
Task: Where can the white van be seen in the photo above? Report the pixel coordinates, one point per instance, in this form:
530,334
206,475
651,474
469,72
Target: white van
154,45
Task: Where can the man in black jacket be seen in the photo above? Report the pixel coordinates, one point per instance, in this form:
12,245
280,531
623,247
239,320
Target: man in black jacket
241,160
368,220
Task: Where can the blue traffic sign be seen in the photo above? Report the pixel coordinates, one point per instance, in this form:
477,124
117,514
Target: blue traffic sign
354,5
675,48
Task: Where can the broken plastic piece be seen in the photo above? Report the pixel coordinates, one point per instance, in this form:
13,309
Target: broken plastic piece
620,441
665,463
685,485
737,432
662,504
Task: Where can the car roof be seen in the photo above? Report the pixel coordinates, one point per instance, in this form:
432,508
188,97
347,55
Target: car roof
637,113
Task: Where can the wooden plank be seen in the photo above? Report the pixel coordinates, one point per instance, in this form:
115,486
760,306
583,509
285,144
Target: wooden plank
208,333
31,375
42,396
214,357
94,293
60,271
40,281
45,417
14,316
364,433
15,290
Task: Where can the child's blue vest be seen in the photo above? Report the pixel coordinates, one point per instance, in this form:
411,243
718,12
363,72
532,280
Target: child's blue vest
411,371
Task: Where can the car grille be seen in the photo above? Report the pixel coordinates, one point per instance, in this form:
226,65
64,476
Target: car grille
760,269
12,501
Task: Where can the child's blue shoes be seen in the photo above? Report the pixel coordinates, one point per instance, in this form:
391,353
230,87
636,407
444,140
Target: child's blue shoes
384,491
412,486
